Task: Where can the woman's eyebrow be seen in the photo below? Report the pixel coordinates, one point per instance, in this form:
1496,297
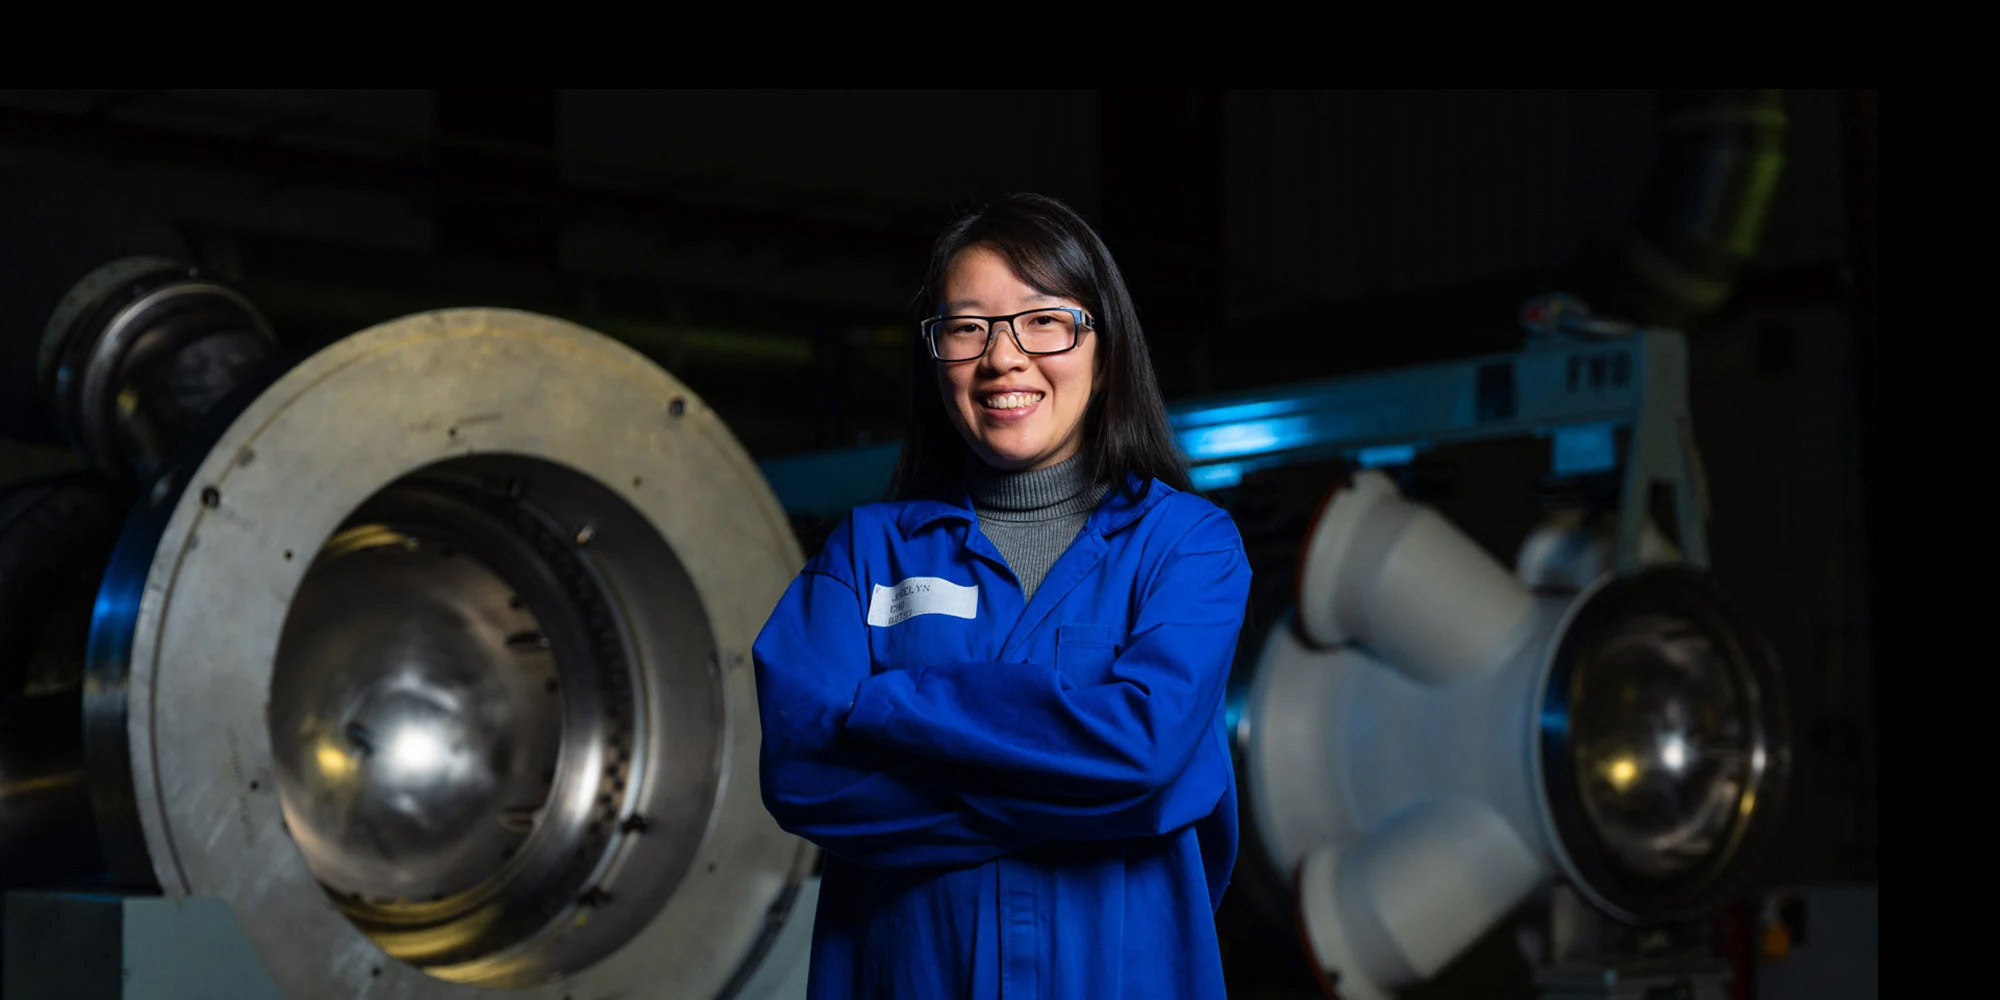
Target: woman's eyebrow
956,305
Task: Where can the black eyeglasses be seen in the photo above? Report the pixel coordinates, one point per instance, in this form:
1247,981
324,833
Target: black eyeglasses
1037,331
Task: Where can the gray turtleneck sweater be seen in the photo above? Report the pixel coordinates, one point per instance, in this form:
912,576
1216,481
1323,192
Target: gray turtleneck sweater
1033,516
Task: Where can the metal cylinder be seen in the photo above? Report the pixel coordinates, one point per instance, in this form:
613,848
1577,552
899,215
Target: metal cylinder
434,664
137,352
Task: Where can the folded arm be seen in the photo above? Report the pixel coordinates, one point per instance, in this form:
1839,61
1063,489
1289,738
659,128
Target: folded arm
1025,729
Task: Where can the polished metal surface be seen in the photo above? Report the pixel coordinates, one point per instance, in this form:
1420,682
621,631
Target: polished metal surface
1662,743
90,292
1664,746
138,351
311,695
415,718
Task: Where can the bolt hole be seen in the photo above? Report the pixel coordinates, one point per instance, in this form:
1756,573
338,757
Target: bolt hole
211,497
638,480
255,785
677,407
288,555
453,432
376,972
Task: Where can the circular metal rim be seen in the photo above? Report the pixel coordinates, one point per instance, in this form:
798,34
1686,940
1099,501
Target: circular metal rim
493,380
448,507
87,294
1562,809
92,345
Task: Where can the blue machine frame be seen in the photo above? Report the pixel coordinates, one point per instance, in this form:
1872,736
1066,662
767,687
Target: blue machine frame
1579,391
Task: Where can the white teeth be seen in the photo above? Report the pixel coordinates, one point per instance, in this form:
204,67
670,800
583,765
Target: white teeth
1011,400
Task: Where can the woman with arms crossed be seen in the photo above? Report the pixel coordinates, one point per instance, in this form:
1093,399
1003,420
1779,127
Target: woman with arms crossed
996,700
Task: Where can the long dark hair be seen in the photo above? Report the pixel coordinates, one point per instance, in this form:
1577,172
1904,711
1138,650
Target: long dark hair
1051,248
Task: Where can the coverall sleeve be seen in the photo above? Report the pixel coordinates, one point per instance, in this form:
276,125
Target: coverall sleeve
1026,727
1189,797
859,803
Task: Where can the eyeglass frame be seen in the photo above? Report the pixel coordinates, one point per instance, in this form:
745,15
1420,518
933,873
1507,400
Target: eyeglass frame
928,330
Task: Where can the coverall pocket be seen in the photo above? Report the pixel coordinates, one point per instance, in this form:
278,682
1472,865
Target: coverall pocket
1084,653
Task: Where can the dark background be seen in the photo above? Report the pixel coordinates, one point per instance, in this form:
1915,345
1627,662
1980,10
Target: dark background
764,246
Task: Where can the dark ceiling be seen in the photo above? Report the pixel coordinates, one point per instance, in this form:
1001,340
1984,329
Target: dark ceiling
764,244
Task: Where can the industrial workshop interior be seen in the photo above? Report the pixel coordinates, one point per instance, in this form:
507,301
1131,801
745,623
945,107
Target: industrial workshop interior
395,485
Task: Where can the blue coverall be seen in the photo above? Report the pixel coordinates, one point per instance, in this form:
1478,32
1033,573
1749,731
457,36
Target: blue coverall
1019,802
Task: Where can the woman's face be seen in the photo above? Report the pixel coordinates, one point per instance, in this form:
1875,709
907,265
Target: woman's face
1017,411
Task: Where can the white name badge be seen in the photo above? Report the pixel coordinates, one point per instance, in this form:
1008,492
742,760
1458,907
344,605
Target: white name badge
922,595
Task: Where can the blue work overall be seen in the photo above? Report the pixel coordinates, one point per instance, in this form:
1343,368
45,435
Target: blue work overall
1021,802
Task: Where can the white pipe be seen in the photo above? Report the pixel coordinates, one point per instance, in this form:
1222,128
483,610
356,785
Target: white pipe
1399,579
1392,910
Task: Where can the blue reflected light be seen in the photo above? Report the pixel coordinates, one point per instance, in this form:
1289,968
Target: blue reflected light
118,603
1388,454
1250,437
1233,412
1555,721
1215,477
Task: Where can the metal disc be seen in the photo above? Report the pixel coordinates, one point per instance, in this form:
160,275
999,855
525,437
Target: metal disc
609,840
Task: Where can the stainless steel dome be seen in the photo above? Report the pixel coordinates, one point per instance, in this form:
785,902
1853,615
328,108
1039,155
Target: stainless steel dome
1663,744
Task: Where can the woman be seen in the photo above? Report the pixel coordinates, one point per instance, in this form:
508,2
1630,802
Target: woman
996,700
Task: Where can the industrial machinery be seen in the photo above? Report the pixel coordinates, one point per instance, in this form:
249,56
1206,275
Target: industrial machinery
1434,738
420,664
1429,737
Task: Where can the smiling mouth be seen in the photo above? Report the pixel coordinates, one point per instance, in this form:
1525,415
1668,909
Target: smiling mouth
1010,400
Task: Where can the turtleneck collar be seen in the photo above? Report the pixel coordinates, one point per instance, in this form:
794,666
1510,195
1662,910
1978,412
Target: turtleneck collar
1059,490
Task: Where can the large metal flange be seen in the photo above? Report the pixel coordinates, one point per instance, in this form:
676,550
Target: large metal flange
660,869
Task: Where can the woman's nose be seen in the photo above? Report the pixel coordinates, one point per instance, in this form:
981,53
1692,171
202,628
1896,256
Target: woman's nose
1002,353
